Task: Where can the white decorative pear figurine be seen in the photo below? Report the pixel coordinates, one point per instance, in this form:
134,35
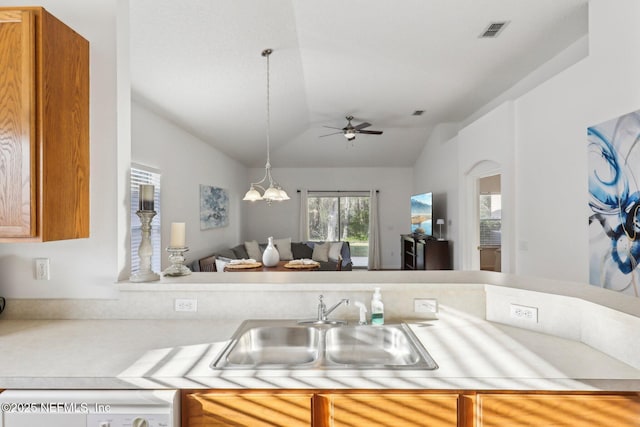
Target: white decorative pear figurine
271,256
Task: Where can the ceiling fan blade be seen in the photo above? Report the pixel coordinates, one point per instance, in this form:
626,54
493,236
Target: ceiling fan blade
329,134
362,126
370,132
331,127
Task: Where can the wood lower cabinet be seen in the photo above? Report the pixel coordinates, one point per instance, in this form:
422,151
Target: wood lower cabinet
402,408
44,128
557,410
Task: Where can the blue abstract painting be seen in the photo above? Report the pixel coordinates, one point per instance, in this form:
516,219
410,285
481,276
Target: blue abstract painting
214,207
614,203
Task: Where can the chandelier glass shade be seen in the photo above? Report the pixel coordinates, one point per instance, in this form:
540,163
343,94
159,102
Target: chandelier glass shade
274,192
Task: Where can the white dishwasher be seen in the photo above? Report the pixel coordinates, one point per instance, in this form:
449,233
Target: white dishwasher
90,408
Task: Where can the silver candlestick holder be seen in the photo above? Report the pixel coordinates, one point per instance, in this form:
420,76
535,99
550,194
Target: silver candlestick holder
177,267
145,250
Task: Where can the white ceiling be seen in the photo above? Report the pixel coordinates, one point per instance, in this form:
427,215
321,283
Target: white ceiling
199,64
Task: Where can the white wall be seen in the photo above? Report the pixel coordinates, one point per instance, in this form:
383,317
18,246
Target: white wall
84,268
436,170
551,133
282,219
488,141
185,162
538,139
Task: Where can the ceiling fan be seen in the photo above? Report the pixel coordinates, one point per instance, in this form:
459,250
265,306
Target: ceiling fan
350,130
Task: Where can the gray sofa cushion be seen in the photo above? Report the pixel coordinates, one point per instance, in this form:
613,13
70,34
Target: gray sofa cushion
298,249
227,253
301,250
240,251
345,254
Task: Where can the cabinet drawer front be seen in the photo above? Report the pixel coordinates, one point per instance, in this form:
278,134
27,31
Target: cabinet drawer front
558,410
248,409
393,410
17,125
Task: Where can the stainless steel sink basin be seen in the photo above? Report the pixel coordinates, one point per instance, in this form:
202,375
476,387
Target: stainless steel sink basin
388,345
284,344
275,346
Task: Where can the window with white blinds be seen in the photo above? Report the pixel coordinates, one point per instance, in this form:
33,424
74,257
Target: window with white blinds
144,175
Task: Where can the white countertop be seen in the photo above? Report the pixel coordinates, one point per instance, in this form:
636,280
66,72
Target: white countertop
471,353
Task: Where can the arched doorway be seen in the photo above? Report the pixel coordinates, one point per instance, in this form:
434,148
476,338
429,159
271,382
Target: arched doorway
470,212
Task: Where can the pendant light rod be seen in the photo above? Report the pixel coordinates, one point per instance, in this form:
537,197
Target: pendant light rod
266,53
274,192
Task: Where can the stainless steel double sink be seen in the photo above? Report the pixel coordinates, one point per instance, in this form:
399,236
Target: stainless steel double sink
285,344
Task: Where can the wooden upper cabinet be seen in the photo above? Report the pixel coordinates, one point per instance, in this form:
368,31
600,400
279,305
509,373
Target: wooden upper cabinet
44,128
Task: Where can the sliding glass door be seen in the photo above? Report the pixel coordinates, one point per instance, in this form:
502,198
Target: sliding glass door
341,216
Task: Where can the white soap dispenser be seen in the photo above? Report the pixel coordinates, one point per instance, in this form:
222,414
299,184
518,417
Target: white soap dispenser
377,308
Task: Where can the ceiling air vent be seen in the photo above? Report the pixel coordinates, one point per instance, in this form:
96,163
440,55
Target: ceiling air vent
493,29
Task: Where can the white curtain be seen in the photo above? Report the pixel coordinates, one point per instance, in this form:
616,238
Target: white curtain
374,232
304,216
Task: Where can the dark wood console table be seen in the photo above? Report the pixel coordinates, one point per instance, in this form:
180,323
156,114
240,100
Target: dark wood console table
422,253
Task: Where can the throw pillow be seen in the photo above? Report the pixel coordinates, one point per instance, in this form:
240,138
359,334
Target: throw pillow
226,253
240,251
335,250
284,248
321,252
253,250
301,250
221,263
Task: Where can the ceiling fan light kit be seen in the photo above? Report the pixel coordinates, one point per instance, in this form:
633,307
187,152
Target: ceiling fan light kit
274,192
350,134
350,131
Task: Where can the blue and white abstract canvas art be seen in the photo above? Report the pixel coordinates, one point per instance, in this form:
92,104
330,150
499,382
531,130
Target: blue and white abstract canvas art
614,203
214,207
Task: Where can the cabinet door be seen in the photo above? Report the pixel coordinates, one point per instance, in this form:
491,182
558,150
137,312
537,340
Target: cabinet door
255,409
17,125
516,410
386,409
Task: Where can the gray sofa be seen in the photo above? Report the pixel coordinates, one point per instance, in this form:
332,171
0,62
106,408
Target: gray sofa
298,249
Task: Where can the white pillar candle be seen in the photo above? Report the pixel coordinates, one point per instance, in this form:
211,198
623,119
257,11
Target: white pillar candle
177,235
146,197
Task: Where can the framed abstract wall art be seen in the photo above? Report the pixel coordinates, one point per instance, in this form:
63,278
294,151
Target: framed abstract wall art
214,207
614,204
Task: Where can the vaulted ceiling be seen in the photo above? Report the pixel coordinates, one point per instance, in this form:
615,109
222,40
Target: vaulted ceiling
198,63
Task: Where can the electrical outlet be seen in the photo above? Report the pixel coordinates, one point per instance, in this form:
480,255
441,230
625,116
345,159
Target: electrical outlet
425,305
42,268
186,304
523,312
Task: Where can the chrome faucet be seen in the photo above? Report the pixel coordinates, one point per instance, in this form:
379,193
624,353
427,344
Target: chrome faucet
323,312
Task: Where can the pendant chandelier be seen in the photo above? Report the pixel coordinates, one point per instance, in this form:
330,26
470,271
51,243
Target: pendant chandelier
274,192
